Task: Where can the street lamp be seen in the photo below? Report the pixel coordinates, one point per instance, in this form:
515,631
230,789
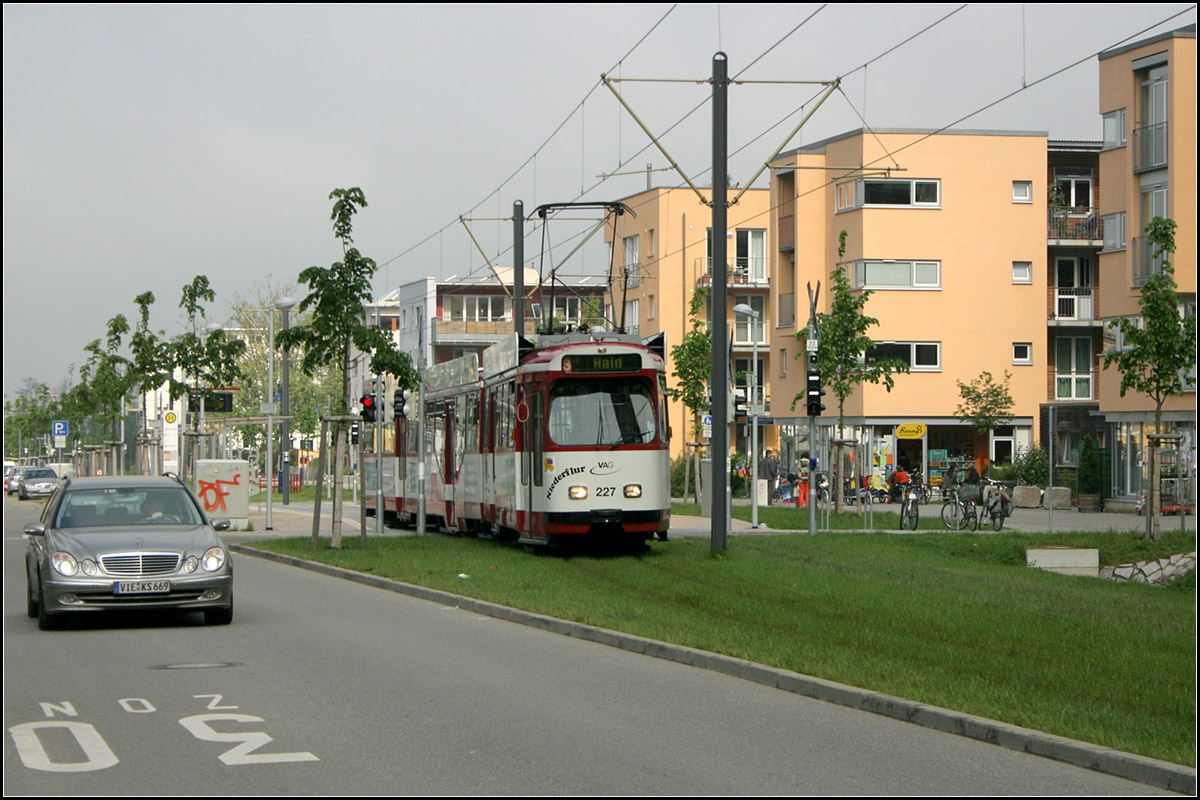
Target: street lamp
752,399
285,304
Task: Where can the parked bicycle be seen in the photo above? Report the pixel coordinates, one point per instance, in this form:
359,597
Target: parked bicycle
995,505
910,511
958,512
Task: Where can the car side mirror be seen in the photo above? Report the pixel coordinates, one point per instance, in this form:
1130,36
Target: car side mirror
220,523
35,528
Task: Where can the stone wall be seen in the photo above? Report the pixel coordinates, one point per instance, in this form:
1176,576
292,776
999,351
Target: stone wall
1159,571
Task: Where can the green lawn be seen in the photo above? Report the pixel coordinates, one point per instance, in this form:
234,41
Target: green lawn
954,620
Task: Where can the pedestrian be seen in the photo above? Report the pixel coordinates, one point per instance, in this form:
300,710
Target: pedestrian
801,493
769,469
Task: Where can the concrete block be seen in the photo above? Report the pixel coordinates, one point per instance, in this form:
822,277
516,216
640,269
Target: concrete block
1065,560
1060,496
1027,496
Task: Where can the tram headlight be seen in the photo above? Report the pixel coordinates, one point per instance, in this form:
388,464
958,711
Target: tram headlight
577,492
633,490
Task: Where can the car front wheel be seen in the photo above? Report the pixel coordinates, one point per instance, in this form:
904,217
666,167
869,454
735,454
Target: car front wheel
219,616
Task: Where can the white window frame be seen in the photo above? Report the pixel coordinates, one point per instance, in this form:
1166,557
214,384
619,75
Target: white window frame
913,366
1115,126
1019,267
859,277
1114,232
857,196
1022,191
1022,353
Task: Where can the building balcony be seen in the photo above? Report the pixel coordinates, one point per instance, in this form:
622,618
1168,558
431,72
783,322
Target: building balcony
1074,306
458,331
1075,225
1150,147
750,273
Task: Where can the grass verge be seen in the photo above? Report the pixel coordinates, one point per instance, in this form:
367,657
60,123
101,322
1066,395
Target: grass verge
947,619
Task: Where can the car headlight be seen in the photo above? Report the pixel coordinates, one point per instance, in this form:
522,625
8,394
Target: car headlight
633,490
213,559
89,568
64,563
191,564
577,492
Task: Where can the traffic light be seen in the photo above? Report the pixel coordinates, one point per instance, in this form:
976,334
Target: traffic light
739,402
815,393
384,411
403,402
353,433
368,407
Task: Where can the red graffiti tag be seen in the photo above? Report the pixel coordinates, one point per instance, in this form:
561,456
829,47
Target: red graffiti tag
214,488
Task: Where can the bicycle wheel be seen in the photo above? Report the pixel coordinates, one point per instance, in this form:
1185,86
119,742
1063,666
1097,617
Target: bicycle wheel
911,513
974,516
952,516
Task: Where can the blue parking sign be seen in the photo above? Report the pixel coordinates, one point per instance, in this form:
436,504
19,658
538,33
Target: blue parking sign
59,427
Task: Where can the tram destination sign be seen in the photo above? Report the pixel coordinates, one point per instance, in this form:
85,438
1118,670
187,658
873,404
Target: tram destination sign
618,362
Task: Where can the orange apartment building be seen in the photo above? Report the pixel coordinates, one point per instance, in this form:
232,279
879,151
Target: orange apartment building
663,255
949,231
1148,164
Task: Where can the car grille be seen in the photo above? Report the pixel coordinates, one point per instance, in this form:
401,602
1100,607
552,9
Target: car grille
140,563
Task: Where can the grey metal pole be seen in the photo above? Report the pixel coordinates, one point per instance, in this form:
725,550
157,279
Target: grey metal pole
270,465
285,434
421,420
518,267
720,328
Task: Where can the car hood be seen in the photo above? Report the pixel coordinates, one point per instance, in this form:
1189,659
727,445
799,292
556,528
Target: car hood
85,542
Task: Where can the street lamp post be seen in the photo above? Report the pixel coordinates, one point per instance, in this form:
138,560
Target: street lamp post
752,400
285,304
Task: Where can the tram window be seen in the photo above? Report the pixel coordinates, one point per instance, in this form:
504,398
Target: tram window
602,412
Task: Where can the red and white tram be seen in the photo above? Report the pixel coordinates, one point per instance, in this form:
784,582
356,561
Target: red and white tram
565,438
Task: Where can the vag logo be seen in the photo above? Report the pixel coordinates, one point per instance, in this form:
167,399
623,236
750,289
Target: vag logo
603,468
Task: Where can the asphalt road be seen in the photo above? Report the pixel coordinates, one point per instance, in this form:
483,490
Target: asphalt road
323,686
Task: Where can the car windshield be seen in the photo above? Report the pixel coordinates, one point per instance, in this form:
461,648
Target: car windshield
40,473
90,508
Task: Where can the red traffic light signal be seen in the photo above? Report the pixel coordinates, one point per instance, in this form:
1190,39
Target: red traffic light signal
368,407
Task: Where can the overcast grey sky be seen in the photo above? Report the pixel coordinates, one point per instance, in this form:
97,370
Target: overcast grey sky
147,144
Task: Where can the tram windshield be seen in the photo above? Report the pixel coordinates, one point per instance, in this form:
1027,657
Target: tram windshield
608,412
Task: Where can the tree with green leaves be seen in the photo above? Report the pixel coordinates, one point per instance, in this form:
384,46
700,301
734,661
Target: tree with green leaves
1156,355
986,404
692,361
844,355
337,326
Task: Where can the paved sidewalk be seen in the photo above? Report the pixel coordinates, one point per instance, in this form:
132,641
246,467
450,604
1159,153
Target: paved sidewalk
295,519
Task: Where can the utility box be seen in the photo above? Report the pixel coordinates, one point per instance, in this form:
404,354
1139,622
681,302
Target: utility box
63,470
223,486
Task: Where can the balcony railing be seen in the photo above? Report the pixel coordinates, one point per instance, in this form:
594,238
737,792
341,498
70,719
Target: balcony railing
1077,223
748,271
1075,304
1150,146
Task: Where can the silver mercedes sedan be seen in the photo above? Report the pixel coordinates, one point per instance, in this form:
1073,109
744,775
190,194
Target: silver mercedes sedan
126,543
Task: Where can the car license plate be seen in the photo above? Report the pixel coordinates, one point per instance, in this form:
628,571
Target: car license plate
142,587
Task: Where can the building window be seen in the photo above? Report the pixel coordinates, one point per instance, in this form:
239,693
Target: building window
1022,272
877,193
742,331
845,196
783,362
751,253
471,308
650,308
1073,368
632,261
920,356
897,275
1073,188
1022,191
1022,353
1114,232
1114,129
